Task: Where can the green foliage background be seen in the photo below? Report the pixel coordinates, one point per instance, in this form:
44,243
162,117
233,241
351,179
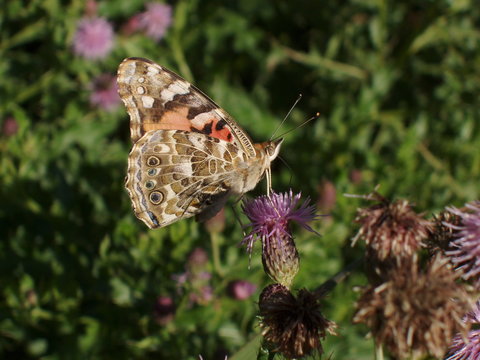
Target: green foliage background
396,82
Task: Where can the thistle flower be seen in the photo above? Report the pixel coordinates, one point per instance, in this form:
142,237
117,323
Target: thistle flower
391,229
9,126
466,246
164,310
105,92
294,325
270,221
415,312
270,216
196,279
202,295
470,349
93,38
155,20
241,289
198,259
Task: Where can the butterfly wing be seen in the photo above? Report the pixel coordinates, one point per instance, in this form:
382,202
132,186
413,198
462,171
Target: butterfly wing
158,99
175,174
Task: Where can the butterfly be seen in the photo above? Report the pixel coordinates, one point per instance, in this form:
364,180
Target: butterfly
188,155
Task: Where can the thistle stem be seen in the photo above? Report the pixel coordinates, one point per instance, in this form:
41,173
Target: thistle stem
215,241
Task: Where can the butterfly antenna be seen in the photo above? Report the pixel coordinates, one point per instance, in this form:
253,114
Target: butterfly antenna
286,116
314,117
289,168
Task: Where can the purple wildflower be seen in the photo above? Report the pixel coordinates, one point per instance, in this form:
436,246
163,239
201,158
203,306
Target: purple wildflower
270,216
197,259
105,92
202,296
461,350
10,126
241,289
155,20
164,310
93,38
466,246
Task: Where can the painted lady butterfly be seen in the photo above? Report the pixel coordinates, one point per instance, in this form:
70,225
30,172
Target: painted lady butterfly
188,155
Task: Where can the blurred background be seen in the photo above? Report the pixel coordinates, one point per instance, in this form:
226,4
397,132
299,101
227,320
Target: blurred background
397,87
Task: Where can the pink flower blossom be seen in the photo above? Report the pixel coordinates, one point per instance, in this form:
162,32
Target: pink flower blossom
10,126
271,216
155,20
460,350
105,92
93,38
241,289
164,310
466,245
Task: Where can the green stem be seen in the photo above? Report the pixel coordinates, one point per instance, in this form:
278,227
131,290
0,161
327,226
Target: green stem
215,241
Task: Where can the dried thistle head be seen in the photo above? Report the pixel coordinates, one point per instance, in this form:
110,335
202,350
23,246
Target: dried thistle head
293,324
391,229
415,312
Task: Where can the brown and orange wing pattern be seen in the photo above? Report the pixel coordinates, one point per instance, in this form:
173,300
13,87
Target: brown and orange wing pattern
158,99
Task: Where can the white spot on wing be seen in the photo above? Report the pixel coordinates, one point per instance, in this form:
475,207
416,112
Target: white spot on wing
141,90
147,101
203,118
177,87
127,72
161,148
152,70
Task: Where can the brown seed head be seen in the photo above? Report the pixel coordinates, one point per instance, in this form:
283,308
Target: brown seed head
391,229
293,324
415,312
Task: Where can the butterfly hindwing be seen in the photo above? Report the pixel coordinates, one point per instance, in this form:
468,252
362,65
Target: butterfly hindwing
174,174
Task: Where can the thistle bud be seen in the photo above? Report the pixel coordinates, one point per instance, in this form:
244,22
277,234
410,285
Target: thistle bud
280,259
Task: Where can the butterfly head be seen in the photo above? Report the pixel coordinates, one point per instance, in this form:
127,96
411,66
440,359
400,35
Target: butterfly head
272,148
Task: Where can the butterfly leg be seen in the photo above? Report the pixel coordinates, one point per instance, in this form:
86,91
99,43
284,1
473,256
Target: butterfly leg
210,204
237,216
268,176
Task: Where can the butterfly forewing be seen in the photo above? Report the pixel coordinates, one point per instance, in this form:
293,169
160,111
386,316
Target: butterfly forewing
157,98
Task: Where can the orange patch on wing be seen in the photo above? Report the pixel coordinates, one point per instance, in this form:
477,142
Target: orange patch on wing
224,134
175,119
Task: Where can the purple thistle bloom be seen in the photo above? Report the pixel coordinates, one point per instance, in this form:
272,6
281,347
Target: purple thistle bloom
105,92
155,20
466,246
270,216
93,38
459,350
10,126
164,310
241,289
